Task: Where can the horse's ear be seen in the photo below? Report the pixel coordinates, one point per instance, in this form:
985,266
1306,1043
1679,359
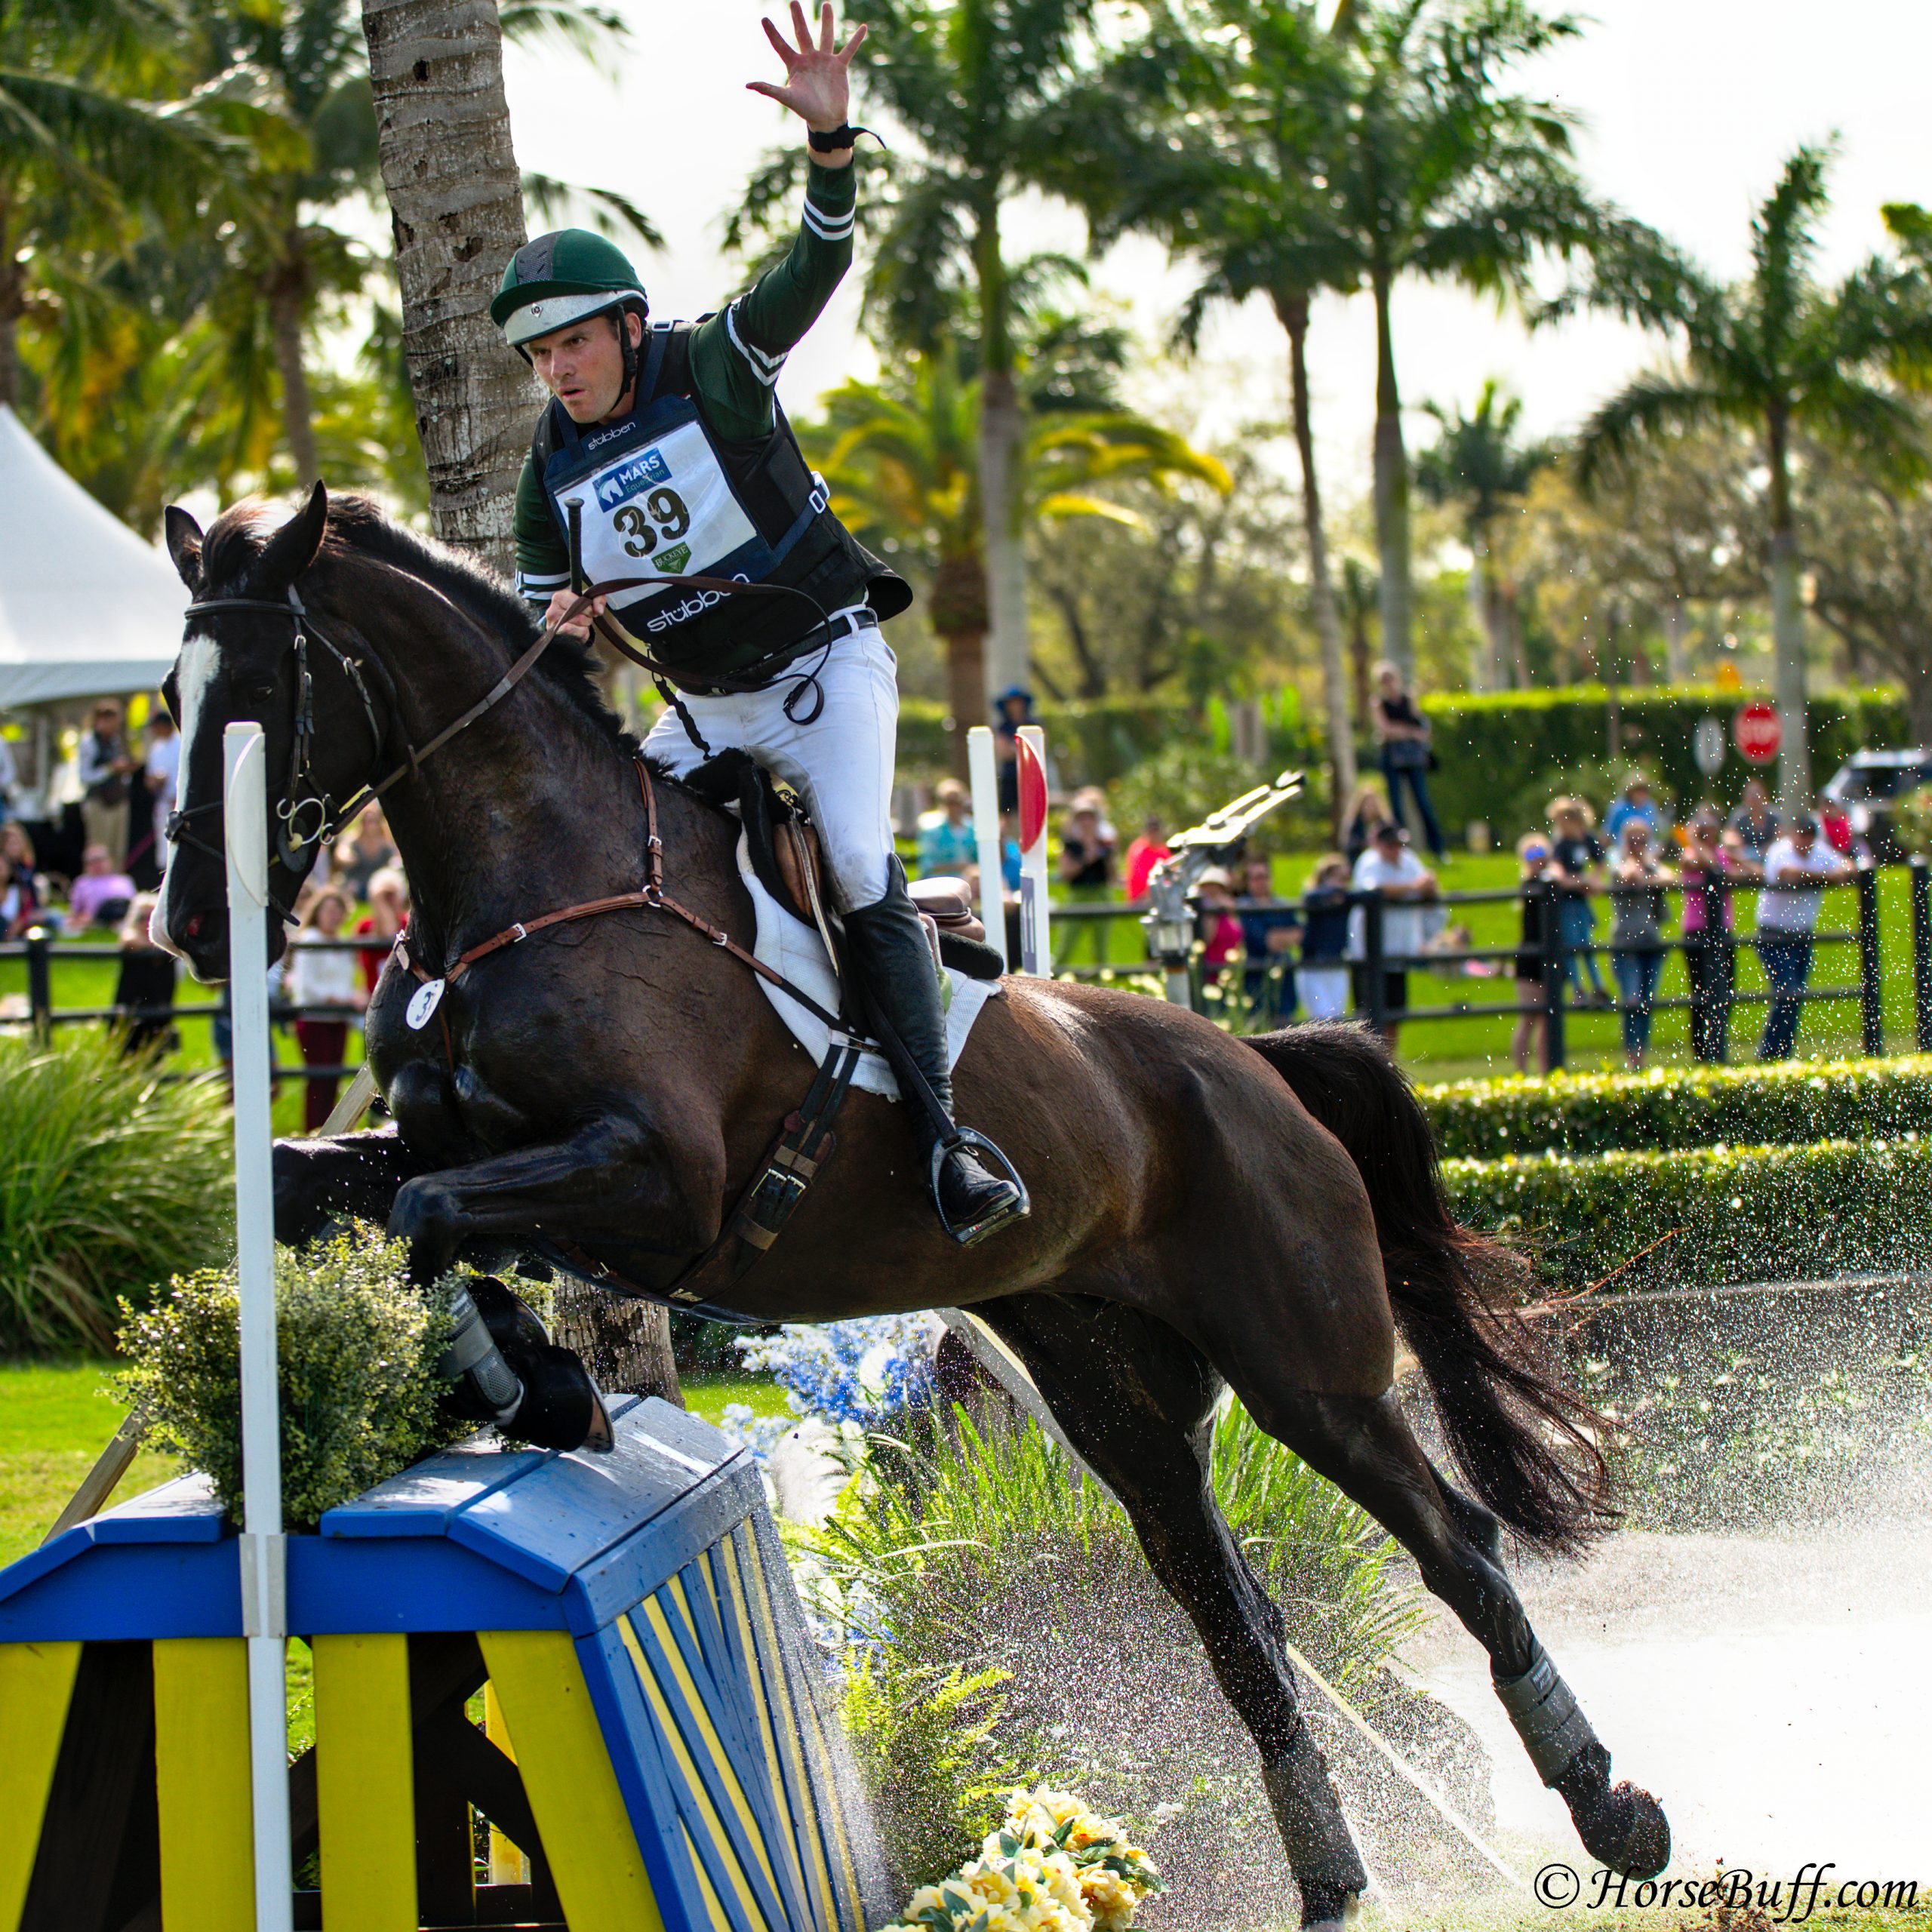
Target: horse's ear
292,548
184,545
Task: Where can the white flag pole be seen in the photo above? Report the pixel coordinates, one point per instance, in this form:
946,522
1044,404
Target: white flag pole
264,1605
984,771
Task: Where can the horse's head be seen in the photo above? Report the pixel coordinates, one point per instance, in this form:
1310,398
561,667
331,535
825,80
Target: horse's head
249,654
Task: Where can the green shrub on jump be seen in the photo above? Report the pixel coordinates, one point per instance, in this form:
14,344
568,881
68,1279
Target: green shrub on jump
1681,1107
356,1346
112,1179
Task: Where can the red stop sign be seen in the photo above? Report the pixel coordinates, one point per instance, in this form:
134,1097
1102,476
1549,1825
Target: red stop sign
1757,732
1032,796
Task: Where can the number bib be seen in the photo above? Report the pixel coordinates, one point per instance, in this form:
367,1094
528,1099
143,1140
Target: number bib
660,503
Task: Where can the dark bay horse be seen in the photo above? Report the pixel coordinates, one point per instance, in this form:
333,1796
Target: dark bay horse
1207,1210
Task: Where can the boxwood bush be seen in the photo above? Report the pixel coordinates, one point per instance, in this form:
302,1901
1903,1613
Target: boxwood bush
356,1350
1681,1106
1705,1216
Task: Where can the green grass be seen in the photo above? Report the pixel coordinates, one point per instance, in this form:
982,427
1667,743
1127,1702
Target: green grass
54,1420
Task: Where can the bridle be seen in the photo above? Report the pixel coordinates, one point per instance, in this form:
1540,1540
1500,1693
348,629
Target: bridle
293,838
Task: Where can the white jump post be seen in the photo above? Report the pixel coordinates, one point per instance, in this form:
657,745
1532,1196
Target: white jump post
264,1600
1036,954
984,771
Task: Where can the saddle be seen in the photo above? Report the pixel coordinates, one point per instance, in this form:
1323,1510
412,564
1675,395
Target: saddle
783,845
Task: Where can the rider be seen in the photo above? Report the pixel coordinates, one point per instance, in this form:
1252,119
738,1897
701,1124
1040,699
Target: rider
669,439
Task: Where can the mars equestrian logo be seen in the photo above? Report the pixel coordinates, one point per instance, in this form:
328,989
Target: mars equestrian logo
628,479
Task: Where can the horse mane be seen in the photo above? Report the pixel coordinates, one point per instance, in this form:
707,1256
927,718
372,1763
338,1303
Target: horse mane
358,529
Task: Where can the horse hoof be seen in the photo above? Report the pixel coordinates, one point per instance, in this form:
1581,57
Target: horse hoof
1627,1831
562,1408
1330,1908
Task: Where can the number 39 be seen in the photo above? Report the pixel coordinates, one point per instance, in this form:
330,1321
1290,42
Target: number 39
670,518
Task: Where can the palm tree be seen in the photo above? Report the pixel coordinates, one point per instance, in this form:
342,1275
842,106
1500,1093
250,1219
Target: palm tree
901,461
1225,100
89,141
975,86
1778,354
1434,169
1477,462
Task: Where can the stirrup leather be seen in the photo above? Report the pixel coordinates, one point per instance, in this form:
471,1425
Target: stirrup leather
965,1138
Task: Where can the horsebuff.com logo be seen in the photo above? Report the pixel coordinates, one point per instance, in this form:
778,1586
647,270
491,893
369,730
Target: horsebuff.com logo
628,479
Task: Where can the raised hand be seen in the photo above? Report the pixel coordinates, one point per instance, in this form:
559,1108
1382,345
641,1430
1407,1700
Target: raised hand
817,80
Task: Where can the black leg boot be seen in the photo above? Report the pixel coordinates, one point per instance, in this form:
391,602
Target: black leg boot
888,945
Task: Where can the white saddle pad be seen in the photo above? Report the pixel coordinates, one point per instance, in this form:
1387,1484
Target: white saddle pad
789,946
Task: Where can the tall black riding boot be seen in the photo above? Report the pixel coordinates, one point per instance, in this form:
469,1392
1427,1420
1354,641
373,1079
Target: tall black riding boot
888,945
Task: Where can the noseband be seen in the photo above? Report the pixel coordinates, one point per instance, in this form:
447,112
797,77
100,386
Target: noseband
295,834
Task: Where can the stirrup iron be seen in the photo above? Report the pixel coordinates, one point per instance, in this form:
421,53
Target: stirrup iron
963,1139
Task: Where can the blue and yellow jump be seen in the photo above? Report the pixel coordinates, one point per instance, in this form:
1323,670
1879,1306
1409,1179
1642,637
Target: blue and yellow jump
658,1754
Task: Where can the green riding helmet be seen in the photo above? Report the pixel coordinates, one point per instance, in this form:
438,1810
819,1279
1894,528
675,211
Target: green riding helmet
562,277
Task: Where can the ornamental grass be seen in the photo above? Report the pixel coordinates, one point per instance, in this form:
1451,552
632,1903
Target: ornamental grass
112,1179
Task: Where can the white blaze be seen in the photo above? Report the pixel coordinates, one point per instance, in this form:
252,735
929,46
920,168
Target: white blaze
194,672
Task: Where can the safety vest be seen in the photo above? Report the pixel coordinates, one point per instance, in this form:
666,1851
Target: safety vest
660,492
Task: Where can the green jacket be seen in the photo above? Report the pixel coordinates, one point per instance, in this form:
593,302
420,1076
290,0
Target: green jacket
736,356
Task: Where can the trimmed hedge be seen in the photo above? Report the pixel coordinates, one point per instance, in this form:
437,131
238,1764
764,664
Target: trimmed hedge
1707,1217
1680,1107
1504,754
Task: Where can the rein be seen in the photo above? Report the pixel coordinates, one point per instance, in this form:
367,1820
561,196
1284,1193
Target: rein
291,841
805,1139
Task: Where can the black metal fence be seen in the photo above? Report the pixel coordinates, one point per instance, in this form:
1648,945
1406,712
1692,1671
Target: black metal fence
1715,996
1719,997
42,953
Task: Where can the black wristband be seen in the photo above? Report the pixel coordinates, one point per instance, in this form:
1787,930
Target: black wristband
830,140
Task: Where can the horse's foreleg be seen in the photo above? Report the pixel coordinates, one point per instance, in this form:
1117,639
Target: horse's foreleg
614,1179
1137,1400
356,1175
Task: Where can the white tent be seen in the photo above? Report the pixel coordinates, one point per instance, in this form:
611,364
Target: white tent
87,609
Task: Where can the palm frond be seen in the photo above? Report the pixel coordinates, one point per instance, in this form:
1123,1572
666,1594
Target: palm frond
561,203
1649,408
574,24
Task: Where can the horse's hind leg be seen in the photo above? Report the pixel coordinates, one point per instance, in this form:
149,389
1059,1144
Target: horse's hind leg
1136,1400
1363,1445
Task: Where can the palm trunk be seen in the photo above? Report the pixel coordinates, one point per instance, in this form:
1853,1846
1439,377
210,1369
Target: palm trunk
455,197
286,292
965,689
1677,667
1482,660
1002,430
1788,632
1293,310
455,200
13,305
1391,498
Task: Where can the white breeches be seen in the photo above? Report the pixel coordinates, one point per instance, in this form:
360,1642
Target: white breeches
840,764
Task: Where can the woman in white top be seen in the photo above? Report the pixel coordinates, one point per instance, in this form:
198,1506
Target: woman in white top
319,978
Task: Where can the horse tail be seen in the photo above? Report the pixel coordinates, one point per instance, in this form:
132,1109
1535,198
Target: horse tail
1523,1436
